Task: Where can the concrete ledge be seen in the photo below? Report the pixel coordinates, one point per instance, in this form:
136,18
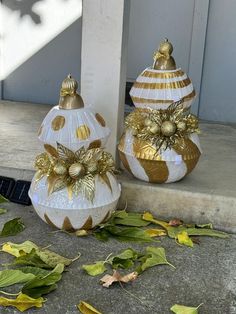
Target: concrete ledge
206,195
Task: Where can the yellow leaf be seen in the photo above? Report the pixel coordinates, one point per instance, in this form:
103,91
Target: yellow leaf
155,232
23,302
147,216
18,250
184,239
81,233
86,308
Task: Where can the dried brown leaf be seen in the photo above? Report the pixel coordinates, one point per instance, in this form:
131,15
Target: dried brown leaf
108,280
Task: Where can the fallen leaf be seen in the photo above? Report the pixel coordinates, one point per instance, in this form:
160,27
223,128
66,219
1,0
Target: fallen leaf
155,232
52,259
19,249
192,231
154,256
206,226
131,219
3,211
124,260
181,309
175,222
43,285
3,199
184,239
31,259
12,227
81,233
86,308
28,253
35,271
123,234
10,277
108,280
95,269
22,302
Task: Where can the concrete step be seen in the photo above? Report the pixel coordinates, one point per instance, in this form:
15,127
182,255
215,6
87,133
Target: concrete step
206,195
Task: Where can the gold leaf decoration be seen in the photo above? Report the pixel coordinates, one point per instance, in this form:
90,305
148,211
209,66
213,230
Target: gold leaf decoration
58,123
83,132
95,144
51,150
162,128
105,178
92,162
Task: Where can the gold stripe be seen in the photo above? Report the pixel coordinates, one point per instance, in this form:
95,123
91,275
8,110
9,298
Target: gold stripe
174,85
157,171
187,149
161,101
67,225
49,222
165,75
107,216
144,150
95,144
125,161
88,224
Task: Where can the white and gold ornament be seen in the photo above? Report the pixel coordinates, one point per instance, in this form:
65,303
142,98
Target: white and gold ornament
75,185
160,143
159,86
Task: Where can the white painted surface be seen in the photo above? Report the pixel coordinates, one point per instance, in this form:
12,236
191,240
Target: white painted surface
103,72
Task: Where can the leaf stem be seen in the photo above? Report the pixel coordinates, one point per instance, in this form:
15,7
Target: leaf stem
8,293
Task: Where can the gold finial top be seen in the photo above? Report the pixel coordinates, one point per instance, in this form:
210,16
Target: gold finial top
162,57
70,99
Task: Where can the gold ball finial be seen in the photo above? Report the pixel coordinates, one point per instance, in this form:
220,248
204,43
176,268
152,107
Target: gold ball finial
162,57
166,47
70,99
168,128
69,85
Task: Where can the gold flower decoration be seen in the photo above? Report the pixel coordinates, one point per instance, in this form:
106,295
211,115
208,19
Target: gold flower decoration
162,128
74,171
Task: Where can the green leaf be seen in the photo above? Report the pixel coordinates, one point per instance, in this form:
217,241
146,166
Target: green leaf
10,277
12,227
19,249
36,271
154,256
3,211
22,302
42,285
124,260
86,308
184,239
31,259
124,234
3,199
181,309
95,269
192,231
52,258
129,219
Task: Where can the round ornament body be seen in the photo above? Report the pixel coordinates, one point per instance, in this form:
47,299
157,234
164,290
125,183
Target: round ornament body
157,89
74,128
75,212
165,166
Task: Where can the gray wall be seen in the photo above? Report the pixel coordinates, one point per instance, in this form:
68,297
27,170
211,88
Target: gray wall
218,95
199,39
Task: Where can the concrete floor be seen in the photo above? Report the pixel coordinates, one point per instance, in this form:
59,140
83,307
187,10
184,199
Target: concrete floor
205,274
207,194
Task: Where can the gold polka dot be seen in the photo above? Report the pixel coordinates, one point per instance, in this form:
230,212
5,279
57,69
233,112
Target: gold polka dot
51,150
95,144
100,119
83,132
58,123
40,130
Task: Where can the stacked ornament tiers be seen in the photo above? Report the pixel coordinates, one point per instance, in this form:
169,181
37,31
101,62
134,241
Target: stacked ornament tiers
160,143
74,186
